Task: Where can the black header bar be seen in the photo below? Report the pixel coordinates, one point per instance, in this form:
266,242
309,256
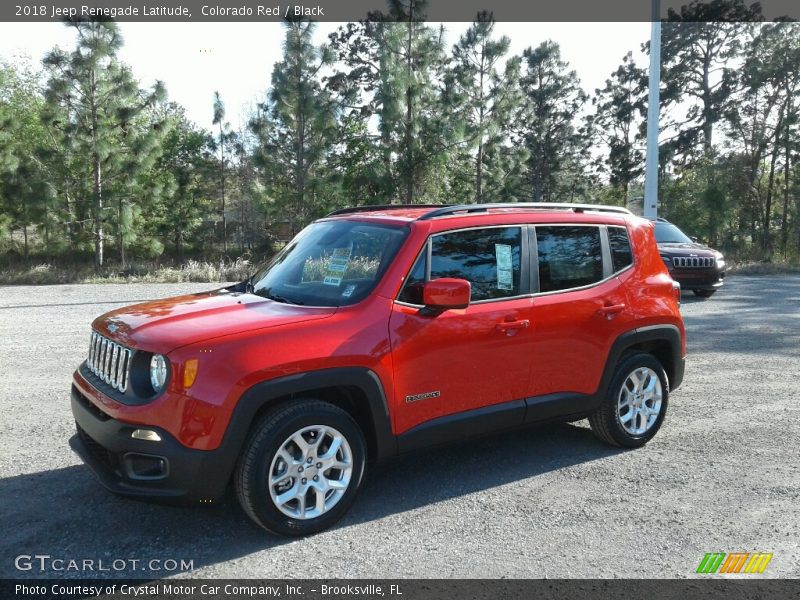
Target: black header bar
355,10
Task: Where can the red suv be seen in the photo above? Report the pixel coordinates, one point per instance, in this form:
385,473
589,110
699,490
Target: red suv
377,331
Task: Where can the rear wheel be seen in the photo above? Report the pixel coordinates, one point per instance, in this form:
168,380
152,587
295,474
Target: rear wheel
635,404
704,293
301,469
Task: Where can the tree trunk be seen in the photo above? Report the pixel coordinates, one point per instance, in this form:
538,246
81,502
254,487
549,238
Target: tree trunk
786,172
479,157
46,231
179,245
98,213
767,238
25,237
121,235
708,126
222,178
98,184
409,113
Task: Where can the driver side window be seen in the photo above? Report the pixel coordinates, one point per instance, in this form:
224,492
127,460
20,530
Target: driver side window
489,258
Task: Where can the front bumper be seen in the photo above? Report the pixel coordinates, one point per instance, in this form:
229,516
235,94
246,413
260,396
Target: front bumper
698,279
161,470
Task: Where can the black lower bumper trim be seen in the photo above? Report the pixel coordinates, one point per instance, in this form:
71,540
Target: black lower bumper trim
106,446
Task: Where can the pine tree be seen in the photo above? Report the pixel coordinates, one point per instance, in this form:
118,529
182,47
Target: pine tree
222,141
484,98
185,171
98,113
546,126
411,70
620,112
395,64
296,128
766,119
698,47
26,197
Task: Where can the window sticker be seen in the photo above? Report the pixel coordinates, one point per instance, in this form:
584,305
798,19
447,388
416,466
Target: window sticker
348,291
505,271
337,265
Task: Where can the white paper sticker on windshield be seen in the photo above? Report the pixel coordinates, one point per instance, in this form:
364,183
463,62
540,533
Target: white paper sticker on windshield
505,271
337,265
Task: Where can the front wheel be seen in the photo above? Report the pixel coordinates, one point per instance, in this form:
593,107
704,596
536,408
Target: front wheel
301,469
635,404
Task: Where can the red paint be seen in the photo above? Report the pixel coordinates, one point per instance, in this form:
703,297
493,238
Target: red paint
476,356
446,293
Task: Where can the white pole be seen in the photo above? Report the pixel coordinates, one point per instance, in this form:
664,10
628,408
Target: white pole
651,166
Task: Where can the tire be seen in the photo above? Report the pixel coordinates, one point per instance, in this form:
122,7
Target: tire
271,450
704,293
609,421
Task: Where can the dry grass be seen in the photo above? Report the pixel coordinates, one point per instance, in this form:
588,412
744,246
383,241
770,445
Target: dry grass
359,267
192,271
763,268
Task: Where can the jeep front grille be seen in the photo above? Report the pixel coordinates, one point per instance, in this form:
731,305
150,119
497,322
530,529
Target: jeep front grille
693,262
109,361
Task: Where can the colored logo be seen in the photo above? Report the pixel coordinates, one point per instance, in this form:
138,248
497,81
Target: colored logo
735,562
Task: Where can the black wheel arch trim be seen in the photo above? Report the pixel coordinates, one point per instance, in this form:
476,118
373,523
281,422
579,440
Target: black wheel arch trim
365,380
641,335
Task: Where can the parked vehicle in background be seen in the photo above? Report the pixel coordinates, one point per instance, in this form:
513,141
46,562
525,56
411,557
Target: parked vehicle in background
695,266
381,330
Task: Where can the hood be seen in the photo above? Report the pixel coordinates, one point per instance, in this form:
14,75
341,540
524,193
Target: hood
164,325
687,249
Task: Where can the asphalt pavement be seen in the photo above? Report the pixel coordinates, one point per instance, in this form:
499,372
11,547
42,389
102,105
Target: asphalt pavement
722,475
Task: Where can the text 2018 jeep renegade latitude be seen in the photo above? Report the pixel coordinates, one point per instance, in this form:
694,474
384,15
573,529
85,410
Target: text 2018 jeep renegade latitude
376,331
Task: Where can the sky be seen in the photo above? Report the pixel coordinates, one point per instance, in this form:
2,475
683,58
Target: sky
195,59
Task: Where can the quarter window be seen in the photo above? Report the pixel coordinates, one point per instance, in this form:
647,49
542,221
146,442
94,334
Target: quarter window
412,290
621,255
489,259
569,257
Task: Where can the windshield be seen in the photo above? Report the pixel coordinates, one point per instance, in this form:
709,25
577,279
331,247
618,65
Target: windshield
667,233
329,263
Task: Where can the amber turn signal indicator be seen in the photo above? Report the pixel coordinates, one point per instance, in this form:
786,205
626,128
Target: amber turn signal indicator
189,372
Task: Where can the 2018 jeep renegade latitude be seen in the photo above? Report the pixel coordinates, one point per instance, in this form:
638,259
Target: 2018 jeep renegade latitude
376,331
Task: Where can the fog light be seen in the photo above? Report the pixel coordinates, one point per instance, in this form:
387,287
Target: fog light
145,467
146,434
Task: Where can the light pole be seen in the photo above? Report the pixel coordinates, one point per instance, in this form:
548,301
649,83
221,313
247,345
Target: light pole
650,208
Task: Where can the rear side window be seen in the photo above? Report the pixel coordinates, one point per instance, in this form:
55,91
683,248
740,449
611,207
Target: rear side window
621,255
489,259
569,257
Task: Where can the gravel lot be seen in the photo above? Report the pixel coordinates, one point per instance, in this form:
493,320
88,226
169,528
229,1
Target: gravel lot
722,475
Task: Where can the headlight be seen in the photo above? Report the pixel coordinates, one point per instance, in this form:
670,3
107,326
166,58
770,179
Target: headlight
720,263
158,372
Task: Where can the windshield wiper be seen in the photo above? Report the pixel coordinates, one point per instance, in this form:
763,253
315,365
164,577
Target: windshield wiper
279,298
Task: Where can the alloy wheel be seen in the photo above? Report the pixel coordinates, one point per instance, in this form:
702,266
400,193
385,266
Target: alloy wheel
310,472
639,401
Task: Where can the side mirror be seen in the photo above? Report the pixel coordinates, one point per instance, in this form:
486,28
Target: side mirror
693,238
446,293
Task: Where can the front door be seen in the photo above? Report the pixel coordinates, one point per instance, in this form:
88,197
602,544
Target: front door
457,360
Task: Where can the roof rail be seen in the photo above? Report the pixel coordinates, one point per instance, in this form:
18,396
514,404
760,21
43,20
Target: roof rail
379,207
473,208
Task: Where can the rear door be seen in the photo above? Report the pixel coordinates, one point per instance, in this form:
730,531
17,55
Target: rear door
456,360
579,309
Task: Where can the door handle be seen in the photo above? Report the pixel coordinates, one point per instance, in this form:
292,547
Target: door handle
611,309
513,325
